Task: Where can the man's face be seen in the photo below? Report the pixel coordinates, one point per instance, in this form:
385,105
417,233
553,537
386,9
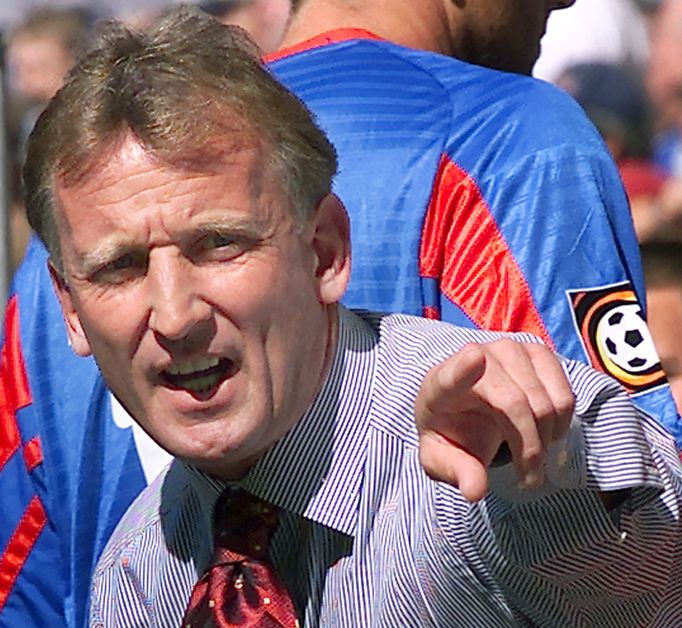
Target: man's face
38,66
664,73
665,320
206,306
501,34
264,20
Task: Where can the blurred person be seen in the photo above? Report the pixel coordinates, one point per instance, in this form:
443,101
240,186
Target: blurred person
42,48
13,12
477,196
662,261
615,99
20,231
594,31
664,82
264,20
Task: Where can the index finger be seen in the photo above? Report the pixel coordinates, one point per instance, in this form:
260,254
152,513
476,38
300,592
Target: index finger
446,388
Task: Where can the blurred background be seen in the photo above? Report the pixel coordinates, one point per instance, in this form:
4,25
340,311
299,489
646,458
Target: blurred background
40,40
620,59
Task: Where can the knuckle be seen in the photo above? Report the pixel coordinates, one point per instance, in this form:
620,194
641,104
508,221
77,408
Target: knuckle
533,455
565,403
516,403
425,402
471,350
429,465
507,344
539,348
544,411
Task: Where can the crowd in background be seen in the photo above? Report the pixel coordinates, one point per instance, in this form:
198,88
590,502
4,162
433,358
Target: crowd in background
42,43
620,59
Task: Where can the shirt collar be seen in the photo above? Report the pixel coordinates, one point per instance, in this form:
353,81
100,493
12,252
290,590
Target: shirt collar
316,470
323,39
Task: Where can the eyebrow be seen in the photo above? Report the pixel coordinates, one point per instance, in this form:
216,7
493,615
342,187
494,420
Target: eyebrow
104,254
113,248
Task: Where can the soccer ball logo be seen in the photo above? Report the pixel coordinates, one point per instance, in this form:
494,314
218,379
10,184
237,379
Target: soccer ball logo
623,337
615,337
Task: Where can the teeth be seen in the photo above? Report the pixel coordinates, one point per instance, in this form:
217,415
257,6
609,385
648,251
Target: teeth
202,364
201,384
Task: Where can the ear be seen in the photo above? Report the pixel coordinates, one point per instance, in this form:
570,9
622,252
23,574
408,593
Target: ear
331,245
77,339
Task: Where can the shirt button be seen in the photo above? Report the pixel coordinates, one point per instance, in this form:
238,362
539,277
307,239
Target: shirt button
622,538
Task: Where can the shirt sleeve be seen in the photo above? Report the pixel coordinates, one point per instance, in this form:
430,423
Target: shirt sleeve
560,558
67,470
30,558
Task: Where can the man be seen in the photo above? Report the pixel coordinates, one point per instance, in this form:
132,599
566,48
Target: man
264,20
663,79
40,50
200,258
497,203
547,217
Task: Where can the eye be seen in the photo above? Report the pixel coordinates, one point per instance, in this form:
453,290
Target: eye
218,241
123,262
216,246
121,269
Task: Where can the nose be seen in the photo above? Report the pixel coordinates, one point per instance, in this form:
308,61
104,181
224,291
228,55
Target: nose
177,310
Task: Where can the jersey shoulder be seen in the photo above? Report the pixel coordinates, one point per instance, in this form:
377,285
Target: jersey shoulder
508,116
475,111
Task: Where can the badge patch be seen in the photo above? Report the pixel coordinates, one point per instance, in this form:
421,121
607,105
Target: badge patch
615,337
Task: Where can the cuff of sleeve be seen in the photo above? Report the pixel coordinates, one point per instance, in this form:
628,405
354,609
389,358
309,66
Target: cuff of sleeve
607,447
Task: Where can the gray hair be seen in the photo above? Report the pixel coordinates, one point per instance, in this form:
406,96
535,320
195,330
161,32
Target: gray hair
187,91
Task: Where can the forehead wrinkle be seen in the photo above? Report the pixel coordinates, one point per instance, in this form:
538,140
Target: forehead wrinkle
113,177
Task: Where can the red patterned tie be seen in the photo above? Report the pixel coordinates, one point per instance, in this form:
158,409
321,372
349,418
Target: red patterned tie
240,586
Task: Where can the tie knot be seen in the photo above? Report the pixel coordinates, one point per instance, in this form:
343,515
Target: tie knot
244,524
241,587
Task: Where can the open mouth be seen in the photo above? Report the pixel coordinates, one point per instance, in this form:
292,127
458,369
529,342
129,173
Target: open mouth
199,377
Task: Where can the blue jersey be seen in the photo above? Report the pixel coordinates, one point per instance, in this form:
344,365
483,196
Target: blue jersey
69,468
478,197
482,198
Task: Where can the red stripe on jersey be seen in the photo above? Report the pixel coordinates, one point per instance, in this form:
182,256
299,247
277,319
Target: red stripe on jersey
430,312
14,390
463,249
19,547
323,39
33,453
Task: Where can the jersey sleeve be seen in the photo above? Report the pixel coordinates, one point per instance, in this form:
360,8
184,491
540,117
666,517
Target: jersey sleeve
67,471
31,589
546,245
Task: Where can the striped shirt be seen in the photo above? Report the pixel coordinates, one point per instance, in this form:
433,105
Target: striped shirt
367,539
